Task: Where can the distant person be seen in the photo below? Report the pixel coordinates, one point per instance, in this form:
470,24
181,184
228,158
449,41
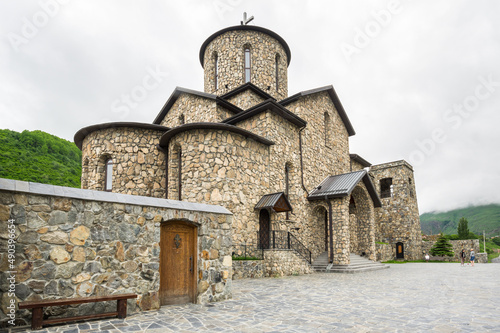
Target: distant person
427,257
472,257
462,258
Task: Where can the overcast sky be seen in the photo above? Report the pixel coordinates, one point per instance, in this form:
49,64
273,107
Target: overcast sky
419,80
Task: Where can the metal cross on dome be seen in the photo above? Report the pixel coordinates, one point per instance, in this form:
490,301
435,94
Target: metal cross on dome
245,20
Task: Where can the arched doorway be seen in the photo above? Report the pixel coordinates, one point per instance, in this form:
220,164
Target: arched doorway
361,223
400,250
264,228
177,262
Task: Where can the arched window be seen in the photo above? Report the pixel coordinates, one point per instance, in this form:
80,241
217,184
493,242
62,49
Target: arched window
327,129
248,63
216,71
276,65
108,179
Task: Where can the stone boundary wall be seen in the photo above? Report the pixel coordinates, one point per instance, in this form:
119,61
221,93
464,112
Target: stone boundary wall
248,269
280,263
384,252
458,245
75,243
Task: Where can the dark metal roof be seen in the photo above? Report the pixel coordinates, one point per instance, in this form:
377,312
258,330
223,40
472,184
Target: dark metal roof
246,27
275,201
360,160
271,105
213,126
333,96
178,91
342,185
82,133
245,86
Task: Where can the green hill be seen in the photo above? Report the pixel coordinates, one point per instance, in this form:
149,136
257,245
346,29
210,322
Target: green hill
480,218
39,157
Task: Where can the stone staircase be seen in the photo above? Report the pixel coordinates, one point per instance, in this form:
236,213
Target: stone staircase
358,264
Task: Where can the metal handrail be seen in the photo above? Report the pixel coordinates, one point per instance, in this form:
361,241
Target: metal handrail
284,240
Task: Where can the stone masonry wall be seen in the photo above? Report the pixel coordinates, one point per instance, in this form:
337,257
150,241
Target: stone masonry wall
194,109
71,244
138,166
398,219
385,252
230,48
458,245
224,168
285,262
246,99
321,158
248,269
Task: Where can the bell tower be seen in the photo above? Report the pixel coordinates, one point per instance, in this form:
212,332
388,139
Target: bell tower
244,53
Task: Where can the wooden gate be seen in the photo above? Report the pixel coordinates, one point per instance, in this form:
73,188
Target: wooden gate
177,263
264,228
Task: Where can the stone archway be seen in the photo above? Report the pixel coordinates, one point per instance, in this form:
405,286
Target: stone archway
320,230
362,223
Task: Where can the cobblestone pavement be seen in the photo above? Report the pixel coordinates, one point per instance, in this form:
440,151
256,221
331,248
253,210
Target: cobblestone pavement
418,297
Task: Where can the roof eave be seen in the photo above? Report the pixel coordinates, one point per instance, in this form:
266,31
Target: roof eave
165,139
261,107
174,96
82,133
335,100
247,86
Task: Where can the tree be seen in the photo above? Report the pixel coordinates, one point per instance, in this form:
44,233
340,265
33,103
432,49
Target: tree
442,247
463,229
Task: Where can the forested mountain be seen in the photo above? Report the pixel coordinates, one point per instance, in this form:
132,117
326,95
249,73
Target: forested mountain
39,157
480,218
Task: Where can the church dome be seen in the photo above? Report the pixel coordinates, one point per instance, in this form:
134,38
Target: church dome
240,54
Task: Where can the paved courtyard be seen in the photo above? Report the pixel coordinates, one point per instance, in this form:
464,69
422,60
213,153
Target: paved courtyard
421,297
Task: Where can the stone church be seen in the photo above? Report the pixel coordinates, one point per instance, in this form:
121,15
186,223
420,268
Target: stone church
279,163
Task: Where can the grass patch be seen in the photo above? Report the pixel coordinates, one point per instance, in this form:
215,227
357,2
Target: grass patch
383,243
413,261
246,258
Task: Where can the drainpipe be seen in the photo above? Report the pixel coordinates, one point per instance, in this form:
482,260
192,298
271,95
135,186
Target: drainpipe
301,161
165,152
330,222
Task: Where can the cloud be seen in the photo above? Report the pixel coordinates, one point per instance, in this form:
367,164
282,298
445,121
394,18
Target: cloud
420,62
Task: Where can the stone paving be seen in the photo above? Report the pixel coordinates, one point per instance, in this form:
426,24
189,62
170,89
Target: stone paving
417,297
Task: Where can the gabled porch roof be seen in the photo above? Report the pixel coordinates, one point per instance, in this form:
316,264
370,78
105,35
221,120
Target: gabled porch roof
278,202
342,185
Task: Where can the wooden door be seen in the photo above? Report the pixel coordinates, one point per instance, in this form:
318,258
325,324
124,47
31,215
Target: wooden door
177,263
400,250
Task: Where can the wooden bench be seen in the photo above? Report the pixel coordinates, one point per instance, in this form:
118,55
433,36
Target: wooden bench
37,320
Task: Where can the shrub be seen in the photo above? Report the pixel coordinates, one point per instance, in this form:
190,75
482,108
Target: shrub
442,247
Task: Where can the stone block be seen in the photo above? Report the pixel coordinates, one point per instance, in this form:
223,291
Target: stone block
59,255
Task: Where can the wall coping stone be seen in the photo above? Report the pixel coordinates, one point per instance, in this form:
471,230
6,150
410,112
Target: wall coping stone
76,193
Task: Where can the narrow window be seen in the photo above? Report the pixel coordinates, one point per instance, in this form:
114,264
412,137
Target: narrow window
411,188
181,119
386,188
287,175
287,186
179,172
276,64
216,74
247,64
327,129
108,185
